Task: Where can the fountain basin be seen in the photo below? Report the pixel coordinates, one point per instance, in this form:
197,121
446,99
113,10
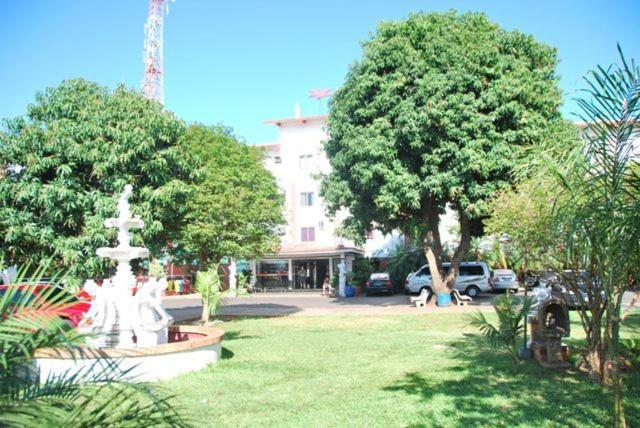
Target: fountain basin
123,254
190,348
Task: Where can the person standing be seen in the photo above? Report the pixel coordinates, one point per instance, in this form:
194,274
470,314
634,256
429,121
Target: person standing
302,277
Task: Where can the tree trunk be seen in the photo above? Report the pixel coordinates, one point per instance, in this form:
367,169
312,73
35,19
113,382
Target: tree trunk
596,360
432,247
613,355
461,251
206,316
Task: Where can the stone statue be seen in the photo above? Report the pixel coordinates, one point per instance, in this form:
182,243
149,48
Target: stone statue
150,320
100,320
342,278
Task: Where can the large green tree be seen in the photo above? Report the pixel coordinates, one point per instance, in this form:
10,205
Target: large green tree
433,115
65,162
236,208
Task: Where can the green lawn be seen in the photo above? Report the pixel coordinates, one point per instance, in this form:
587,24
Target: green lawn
422,370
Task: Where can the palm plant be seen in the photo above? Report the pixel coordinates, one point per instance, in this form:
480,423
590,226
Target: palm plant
599,229
405,260
209,286
511,312
102,395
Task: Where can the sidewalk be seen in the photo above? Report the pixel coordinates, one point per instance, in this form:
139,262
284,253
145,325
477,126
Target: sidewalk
271,305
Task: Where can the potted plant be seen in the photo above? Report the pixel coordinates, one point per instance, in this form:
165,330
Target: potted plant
362,270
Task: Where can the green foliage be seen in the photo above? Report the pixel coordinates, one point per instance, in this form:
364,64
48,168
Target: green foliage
335,280
97,396
209,285
362,270
526,212
156,269
511,311
66,161
236,207
242,280
630,351
436,112
405,259
598,227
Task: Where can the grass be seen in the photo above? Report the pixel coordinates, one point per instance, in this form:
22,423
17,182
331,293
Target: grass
410,370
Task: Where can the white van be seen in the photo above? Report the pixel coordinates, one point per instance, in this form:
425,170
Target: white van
473,278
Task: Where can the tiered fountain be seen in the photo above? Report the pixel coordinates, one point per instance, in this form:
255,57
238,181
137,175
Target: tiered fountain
127,321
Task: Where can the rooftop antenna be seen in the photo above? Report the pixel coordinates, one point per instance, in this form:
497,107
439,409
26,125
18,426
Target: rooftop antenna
153,81
319,94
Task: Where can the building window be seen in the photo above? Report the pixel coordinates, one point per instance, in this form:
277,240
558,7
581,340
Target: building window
277,159
306,199
308,234
305,161
321,226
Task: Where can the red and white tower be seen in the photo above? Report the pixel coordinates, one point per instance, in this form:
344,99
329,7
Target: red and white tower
152,84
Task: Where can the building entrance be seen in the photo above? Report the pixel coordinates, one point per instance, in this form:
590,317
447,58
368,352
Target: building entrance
310,274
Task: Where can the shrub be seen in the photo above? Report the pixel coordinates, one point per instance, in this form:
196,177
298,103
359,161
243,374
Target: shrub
511,311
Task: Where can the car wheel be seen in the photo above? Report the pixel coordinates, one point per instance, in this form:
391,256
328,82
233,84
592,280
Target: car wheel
472,291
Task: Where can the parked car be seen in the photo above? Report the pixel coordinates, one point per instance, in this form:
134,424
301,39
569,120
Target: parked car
560,283
75,305
378,283
504,280
473,278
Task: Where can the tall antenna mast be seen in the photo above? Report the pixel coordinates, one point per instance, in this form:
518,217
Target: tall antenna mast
153,81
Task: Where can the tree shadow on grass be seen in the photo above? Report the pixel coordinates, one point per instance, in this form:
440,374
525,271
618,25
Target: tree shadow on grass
236,335
257,310
486,392
226,354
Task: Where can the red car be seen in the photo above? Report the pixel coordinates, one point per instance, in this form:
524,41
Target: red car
75,305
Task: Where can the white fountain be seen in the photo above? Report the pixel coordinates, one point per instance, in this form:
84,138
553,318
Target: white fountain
127,322
118,314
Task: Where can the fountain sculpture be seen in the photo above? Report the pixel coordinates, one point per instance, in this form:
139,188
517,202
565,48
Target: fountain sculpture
127,322
125,314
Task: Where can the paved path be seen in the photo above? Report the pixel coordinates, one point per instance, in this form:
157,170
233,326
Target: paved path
267,305
189,307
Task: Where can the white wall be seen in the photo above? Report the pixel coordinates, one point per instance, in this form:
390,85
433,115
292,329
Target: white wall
306,136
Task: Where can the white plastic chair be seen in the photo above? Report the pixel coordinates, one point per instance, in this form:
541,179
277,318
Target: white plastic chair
421,300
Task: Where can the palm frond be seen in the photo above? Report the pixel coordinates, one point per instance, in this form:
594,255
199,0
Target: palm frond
99,395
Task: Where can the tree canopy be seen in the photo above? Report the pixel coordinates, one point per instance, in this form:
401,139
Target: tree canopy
236,208
66,161
526,212
434,114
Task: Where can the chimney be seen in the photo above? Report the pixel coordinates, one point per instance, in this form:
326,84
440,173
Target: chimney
296,111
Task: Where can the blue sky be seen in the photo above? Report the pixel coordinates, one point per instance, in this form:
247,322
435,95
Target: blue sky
242,62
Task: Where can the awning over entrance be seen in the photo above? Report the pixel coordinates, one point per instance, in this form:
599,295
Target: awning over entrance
304,251
301,266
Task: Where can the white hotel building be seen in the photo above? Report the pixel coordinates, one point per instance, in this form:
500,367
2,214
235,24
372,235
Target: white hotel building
310,249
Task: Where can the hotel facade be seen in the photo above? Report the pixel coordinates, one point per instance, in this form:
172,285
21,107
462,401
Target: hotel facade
310,248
